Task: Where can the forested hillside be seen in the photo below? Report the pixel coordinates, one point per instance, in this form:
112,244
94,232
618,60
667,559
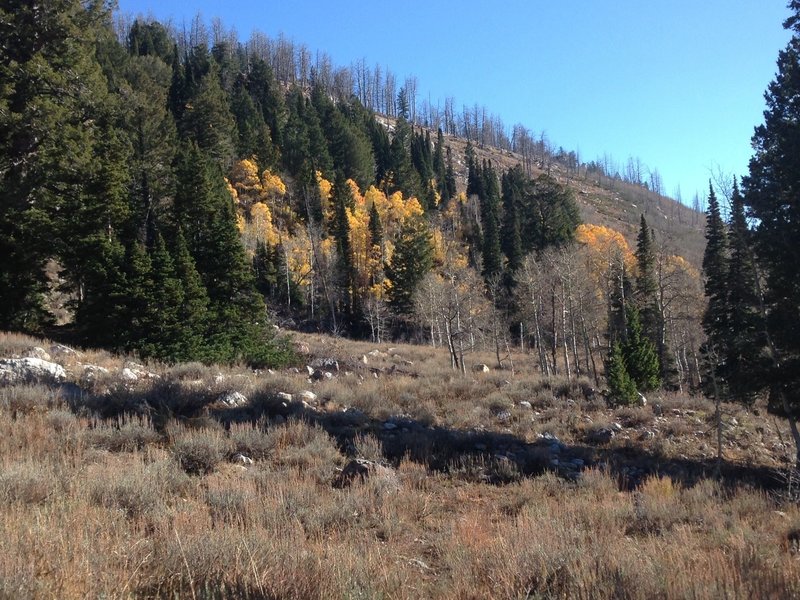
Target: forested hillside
165,193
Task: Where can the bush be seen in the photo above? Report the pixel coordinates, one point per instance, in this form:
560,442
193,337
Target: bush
199,452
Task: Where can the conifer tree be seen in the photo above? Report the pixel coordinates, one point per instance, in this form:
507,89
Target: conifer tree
715,268
490,224
412,259
511,241
641,358
622,389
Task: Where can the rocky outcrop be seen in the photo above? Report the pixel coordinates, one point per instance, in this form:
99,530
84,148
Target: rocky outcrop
30,370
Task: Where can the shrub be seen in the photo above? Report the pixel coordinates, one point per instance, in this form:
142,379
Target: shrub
199,452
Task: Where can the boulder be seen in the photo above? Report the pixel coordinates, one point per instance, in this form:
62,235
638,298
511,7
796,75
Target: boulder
61,350
38,352
284,396
481,368
325,364
601,436
360,469
525,404
92,372
233,399
128,374
307,396
30,370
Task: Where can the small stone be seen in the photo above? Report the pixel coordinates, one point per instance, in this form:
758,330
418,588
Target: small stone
525,404
233,399
284,396
616,427
642,400
481,368
128,375
310,370
307,396
503,415
364,359
61,350
326,364
242,459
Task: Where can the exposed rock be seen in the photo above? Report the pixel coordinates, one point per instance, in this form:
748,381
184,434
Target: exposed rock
325,364
38,352
319,375
128,375
503,415
30,370
233,399
242,459
284,396
360,469
525,404
642,401
302,349
307,396
310,370
601,436
92,372
61,350
481,368
364,359
377,354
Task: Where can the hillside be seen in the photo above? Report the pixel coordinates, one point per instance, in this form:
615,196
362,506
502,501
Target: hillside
380,474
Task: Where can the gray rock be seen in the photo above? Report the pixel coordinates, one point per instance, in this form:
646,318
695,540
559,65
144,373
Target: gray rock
503,415
310,370
642,400
525,404
38,352
30,370
233,399
61,350
325,364
128,374
307,396
92,372
481,368
601,436
616,427
242,459
284,396
361,469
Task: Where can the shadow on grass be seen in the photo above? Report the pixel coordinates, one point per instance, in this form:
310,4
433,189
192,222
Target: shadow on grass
479,455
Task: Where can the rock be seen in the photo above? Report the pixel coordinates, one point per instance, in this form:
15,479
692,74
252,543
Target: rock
601,436
128,375
361,469
284,396
326,364
319,375
307,396
310,370
376,354
219,378
503,415
481,368
302,349
38,352
61,350
92,372
658,410
30,370
648,435
642,400
616,427
233,399
242,459
525,404
364,359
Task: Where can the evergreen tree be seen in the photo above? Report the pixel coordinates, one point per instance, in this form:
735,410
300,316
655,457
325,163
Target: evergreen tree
770,193
193,312
715,268
490,223
641,358
622,389
744,360
647,288
404,177
511,240
253,137
412,259
340,229
208,121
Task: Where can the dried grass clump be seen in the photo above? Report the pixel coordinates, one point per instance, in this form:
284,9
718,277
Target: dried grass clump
198,452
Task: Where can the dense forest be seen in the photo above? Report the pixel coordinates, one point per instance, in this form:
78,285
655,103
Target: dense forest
182,192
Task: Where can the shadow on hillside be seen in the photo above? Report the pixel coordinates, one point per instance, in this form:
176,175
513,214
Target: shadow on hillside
479,455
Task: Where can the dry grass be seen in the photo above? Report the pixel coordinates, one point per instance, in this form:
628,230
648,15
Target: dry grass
150,501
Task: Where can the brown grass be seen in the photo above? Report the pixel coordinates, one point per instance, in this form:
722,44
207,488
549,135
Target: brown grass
153,505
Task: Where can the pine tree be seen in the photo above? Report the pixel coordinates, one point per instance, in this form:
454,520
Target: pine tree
715,268
490,224
744,360
647,288
641,358
770,193
193,312
511,240
622,389
412,259
340,229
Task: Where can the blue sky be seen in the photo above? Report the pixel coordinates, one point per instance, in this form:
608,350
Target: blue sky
678,84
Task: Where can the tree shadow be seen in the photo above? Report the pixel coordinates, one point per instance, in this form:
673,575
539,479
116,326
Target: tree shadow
478,455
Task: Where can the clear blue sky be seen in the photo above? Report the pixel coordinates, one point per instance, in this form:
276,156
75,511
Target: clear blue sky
678,84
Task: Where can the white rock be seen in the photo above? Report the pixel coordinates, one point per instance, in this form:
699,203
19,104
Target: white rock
242,459
525,404
30,370
38,352
310,370
481,368
284,396
61,350
307,396
364,359
233,399
128,375
642,400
